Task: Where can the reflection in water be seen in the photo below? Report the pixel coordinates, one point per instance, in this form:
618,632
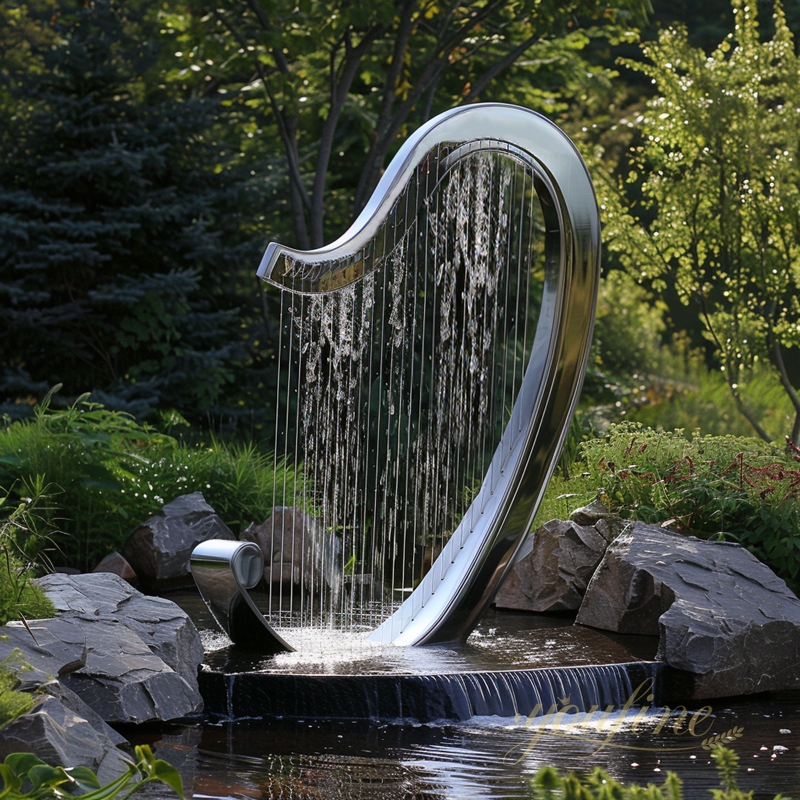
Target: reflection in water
484,758
489,757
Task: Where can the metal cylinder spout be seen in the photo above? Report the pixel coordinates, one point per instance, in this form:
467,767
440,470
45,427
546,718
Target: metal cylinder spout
224,571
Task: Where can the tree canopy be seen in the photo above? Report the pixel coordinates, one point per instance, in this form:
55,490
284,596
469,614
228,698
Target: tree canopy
711,200
151,148
340,81
117,210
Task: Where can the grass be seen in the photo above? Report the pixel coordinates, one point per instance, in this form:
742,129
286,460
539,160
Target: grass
13,703
105,473
725,487
24,533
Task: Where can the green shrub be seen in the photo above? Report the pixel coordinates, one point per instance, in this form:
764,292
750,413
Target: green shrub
23,533
725,487
19,598
241,483
13,702
106,472
86,455
547,784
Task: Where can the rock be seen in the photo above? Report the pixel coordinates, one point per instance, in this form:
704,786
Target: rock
125,682
592,513
117,564
720,613
296,552
71,700
52,648
163,626
131,658
159,549
61,737
110,655
554,574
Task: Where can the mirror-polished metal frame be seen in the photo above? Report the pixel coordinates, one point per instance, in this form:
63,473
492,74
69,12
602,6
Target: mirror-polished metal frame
447,603
223,571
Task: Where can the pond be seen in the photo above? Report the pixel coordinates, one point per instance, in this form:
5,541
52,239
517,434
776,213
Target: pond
483,757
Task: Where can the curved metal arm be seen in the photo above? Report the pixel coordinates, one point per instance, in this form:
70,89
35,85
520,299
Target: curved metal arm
224,571
450,598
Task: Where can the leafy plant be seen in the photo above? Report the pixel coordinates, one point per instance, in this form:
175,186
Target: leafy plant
240,482
13,702
85,453
26,777
105,472
547,784
22,534
726,487
708,203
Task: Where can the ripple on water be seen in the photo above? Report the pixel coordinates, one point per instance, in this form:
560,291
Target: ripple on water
501,641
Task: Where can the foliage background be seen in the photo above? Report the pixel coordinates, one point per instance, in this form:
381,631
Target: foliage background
151,149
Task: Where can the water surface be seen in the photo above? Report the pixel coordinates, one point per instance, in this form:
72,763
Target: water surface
487,757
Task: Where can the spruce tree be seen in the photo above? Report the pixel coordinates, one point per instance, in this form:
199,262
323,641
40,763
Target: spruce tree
119,236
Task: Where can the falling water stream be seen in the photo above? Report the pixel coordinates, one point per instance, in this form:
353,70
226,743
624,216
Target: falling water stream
400,368
485,756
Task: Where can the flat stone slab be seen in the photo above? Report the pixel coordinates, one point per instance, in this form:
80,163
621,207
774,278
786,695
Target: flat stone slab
161,624
128,657
720,613
52,647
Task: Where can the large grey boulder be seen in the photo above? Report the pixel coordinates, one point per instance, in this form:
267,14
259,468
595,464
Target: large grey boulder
60,736
552,572
130,658
125,682
61,728
158,550
297,552
719,612
163,626
110,655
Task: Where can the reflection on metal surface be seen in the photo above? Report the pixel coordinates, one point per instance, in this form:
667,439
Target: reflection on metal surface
430,362
224,571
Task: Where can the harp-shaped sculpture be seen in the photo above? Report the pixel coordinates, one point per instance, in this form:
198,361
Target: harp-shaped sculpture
430,362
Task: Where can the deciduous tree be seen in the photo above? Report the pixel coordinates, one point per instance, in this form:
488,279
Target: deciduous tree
717,163
341,80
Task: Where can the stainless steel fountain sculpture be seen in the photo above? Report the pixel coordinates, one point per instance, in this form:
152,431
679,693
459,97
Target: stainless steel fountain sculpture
430,362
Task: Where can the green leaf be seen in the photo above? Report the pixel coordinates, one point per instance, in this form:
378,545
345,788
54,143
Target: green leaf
11,781
112,789
42,775
166,773
85,780
21,763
